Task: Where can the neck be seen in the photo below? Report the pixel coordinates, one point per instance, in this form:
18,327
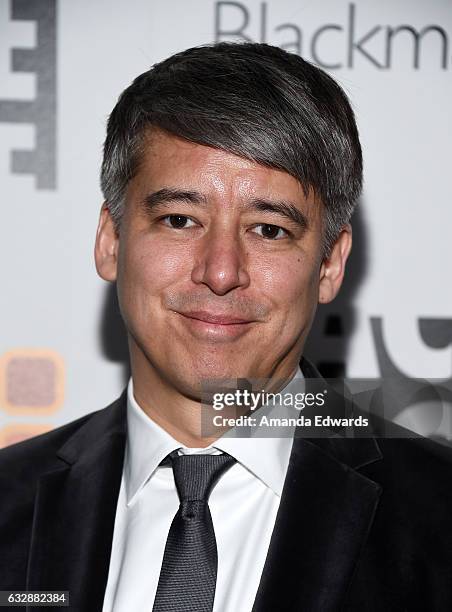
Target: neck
177,413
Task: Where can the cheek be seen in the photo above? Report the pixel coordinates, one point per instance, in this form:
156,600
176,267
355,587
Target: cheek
145,268
291,284
293,289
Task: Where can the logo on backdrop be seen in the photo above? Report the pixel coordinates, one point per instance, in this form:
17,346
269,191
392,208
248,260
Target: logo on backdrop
329,337
40,111
334,45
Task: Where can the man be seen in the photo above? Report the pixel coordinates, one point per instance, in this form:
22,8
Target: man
230,174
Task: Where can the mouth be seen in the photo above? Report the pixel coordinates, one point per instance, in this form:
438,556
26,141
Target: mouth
215,326
216,319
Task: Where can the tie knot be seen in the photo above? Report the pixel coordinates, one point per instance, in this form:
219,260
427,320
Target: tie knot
196,475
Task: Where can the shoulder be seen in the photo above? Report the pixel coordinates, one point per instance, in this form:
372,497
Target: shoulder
35,452
408,459
415,507
22,463
406,453
417,468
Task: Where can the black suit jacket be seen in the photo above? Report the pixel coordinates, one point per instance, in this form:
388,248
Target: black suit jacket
363,525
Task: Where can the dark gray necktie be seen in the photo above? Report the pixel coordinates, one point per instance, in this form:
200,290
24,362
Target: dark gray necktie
189,567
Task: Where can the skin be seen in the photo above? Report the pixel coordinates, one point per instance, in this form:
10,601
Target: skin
175,261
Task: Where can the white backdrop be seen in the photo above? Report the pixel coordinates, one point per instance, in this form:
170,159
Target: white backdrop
62,66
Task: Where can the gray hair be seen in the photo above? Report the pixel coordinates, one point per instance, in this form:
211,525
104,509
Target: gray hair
253,100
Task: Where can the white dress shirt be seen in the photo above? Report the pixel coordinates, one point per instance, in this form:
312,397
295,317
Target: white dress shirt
243,505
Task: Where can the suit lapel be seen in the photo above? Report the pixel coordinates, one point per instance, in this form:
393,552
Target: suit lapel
75,511
325,514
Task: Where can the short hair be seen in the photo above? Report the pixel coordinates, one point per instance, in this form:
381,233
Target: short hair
250,99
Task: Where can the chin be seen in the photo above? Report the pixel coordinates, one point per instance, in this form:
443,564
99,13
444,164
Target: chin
214,370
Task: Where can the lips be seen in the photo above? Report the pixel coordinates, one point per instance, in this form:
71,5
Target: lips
215,318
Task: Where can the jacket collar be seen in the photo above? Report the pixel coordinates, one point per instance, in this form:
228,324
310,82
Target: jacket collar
96,432
325,514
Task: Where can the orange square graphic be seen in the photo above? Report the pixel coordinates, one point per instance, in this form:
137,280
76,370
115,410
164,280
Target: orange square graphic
31,382
10,434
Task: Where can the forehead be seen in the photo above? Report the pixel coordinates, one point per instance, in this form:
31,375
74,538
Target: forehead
169,161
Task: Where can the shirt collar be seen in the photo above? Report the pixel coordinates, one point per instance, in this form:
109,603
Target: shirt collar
148,444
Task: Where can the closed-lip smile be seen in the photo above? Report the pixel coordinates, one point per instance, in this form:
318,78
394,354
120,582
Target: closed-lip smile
215,319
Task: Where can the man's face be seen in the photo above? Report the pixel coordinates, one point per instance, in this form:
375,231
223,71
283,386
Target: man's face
218,265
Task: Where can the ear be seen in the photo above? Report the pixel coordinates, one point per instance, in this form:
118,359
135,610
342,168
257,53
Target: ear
333,267
106,247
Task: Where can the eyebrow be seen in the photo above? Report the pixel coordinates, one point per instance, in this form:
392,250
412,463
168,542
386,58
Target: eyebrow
168,195
283,208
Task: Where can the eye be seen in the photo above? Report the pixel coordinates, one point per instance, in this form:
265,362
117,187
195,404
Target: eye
177,221
271,232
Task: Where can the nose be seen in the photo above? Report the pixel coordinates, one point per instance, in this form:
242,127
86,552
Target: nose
221,262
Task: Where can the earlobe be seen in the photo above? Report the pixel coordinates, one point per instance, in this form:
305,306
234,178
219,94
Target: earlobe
106,246
333,267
